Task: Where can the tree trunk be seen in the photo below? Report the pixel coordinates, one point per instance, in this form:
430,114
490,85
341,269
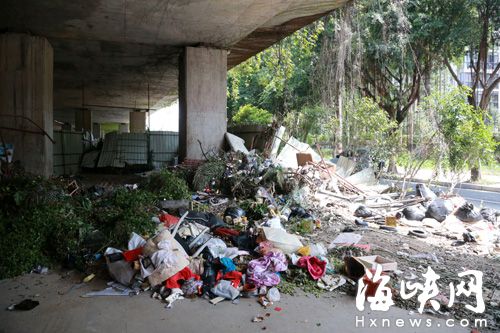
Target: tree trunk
410,119
475,173
340,128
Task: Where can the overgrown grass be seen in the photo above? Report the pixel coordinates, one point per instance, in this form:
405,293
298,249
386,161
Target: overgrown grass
41,225
404,158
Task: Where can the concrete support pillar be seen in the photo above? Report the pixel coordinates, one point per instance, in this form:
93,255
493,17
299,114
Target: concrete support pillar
123,128
26,88
137,122
96,130
83,120
202,101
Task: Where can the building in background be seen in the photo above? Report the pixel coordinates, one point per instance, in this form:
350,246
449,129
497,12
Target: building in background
466,75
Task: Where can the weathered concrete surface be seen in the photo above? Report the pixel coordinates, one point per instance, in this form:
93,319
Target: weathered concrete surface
202,101
63,310
83,120
124,128
137,122
112,49
96,130
26,76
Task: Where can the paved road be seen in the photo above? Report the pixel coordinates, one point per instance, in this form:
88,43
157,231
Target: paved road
487,199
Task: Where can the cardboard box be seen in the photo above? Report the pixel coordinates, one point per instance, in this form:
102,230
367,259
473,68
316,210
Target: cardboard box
372,261
303,158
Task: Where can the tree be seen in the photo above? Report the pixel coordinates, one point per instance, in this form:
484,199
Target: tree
471,27
483,27
277,79
249,114
466,136
393,60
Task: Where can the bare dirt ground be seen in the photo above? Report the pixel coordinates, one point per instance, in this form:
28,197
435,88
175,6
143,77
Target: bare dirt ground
439,253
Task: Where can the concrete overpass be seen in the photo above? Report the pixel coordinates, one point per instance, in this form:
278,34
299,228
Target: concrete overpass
109,57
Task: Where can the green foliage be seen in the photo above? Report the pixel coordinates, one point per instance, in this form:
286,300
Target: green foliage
467,137
249,114
167,186
371,128
41,225
131,211
302,226
40,234
211,171
254,210
311,121
299,278
278,78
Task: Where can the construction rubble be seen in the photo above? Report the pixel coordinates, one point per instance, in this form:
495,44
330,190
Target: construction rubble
259,226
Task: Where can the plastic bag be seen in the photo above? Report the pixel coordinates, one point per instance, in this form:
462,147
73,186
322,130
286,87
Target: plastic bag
234,212
439,209
423,191
318,250
363,211
489,214
121,271
273,295
467,213
414,213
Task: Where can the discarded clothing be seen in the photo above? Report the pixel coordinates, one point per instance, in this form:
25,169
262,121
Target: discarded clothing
132,255
262,271
315,266
168,220
228,264
489,214
219,249
184,275
226,232
234,277
174,296
225,289
192,287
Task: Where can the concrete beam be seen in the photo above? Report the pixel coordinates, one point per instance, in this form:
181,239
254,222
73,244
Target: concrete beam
202,101
125,53
26,88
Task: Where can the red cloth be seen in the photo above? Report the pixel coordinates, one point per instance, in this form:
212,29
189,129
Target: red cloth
315,266
221,231
168,220
183,275
234,277
132,255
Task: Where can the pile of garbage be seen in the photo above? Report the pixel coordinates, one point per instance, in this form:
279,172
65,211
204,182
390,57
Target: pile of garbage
243,234
426,213
260,225
240,253
247,230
